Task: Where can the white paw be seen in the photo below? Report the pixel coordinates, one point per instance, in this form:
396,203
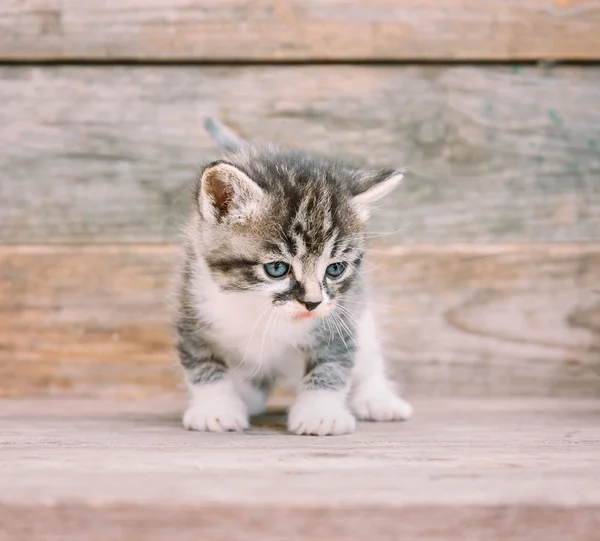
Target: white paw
321,413
376,401
216,407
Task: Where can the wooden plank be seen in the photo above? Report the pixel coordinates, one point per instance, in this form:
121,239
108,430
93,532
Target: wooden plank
272,30
146,522
494,154
480,469
456,320
88,321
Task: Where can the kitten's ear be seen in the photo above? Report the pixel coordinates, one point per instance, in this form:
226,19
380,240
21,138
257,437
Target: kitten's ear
372,186
226,191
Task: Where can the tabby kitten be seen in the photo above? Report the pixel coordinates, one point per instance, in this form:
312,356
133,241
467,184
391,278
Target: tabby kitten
273,291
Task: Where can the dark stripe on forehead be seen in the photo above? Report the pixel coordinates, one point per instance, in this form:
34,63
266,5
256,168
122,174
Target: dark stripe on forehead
272,247
294,199
277,249
311,206
313,238
340,246
299,235
311,241
293,246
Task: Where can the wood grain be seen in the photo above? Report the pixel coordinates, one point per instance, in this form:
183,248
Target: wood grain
480,469
495,154
148,522
271,30
457,320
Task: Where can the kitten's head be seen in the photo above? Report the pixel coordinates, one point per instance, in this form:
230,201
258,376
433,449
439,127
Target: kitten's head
286,225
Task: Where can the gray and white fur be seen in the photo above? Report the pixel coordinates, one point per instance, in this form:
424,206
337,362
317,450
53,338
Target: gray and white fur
273,291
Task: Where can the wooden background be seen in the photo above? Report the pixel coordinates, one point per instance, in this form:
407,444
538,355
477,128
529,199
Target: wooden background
488,272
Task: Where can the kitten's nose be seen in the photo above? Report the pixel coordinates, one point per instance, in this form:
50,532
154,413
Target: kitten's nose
310,306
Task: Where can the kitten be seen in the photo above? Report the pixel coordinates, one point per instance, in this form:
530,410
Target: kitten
273,291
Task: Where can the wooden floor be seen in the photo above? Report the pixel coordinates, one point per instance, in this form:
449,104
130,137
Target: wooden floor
513,469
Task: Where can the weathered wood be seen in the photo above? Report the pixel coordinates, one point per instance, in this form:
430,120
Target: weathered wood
85,321
494,154
499,471
299,30
145,522
457,320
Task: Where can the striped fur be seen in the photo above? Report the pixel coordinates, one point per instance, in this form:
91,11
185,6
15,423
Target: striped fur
243,330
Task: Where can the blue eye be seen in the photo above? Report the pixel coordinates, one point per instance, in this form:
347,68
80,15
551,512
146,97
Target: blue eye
277,269
335,270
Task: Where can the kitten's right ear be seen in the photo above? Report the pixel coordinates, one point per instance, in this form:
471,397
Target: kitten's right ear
373,186
227,192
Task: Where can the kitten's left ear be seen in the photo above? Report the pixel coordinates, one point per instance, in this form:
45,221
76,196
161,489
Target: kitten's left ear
225,191
372,186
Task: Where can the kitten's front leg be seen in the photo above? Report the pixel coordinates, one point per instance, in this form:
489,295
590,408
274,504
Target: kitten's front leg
321,406
373,397
215,405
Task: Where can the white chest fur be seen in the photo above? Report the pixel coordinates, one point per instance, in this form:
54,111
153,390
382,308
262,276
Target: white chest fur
254,339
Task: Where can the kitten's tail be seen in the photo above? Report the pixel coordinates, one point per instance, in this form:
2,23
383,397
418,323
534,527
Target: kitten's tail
226,138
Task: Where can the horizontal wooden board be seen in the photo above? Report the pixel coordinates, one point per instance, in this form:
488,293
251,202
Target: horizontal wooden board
271,30
494,154
457,320
104,470
152,522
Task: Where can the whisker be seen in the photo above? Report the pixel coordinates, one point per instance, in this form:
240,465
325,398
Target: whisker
371,303
347,328
370,263
347,311
337,320
399,230
338,329
262,346
330,332
374,235
348,314
247,343
376,251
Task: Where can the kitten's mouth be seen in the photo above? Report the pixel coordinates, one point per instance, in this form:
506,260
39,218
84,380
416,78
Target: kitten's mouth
304,315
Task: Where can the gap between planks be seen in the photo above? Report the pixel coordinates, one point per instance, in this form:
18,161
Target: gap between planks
387,249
